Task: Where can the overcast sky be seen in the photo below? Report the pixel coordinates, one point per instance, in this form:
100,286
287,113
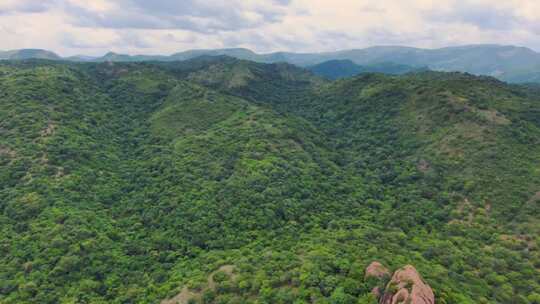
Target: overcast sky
93,27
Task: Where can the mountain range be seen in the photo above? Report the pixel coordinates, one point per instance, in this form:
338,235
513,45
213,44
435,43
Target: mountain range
508,63
334,69
220,180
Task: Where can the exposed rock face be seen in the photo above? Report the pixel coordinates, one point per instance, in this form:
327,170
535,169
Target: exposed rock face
376,270
423,166
407,286
535,198
376,291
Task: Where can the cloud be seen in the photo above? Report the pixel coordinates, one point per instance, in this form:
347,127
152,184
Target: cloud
482,15
194,15
168,26
24,6
106,42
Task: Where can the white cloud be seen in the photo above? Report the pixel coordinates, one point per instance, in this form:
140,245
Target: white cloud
167,26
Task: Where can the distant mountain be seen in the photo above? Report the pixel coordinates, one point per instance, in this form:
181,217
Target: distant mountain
81,58
28,54
507,63
239,53
335,69
181,56
111,56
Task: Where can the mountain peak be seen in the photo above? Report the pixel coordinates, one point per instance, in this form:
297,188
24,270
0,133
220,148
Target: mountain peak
29,54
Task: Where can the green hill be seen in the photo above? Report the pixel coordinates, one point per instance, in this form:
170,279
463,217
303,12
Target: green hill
28,54
335,69
243,182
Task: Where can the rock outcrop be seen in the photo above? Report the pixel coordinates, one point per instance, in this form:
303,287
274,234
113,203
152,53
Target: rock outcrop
376,270
407,286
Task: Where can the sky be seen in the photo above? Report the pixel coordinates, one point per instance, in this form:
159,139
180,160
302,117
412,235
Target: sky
95,27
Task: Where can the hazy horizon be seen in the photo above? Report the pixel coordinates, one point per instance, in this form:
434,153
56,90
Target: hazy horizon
271,52
75,27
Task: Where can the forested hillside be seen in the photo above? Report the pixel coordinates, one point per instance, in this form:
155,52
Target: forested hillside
218,180
335,69
506,62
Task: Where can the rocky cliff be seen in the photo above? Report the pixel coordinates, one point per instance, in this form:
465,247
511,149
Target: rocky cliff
405,286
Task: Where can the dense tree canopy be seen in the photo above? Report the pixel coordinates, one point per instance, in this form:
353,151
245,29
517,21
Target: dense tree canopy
254,183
